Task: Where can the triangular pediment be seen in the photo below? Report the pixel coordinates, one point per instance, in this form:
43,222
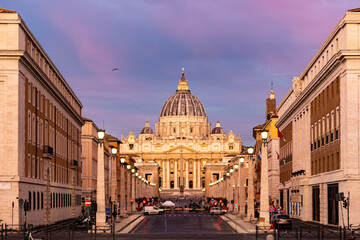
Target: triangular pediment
185,150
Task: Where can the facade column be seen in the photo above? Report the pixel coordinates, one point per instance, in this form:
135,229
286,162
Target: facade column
113,187
251,196
176,175
100,188
128,199
163,179
133,192
242,197
168,173
187,174
195,174
122,191
264,191
236,192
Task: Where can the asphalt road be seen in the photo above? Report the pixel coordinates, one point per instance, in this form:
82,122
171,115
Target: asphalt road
183,223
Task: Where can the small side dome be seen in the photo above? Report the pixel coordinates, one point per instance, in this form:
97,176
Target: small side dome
218,129
147,129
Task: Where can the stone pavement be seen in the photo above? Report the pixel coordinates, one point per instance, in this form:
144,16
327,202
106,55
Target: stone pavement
239,224
129,223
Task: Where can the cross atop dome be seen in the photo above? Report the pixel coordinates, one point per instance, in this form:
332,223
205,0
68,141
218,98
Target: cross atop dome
183,84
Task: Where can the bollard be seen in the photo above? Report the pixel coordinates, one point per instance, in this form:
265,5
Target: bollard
270,237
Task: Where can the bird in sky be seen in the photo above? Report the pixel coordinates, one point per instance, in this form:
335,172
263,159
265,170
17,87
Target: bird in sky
115,69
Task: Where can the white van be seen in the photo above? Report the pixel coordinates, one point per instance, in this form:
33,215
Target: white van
153,210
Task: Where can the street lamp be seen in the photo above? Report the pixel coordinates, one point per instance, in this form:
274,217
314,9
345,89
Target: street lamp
122,160
128,167
251,150
114,150
231,170
100,188
241,159
101,134
133,170
264,191
236,166
264,135
250,206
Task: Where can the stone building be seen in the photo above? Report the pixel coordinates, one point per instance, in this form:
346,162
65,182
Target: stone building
40,128
319,121
183,134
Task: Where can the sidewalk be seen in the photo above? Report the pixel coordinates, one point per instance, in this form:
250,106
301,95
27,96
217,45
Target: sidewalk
129,223
239,224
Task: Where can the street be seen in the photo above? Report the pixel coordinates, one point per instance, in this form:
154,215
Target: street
183,223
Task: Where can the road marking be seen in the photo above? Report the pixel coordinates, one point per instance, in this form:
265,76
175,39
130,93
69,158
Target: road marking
235,226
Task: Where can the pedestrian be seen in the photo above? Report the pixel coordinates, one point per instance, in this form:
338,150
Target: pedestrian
114,215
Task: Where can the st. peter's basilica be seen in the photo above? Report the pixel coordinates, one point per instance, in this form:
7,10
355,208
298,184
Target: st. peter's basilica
183,134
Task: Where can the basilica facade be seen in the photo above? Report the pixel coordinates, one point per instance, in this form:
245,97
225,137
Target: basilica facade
183,135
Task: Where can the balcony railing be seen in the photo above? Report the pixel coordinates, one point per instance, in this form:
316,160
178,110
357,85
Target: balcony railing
48,152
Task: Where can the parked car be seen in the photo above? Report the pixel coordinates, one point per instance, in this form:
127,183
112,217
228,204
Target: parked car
153,210
224,210
195,207
215,210
282,220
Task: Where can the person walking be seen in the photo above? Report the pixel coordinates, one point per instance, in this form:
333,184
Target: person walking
114,215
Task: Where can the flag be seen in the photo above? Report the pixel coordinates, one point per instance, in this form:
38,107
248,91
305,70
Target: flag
281,136
278,155
259,158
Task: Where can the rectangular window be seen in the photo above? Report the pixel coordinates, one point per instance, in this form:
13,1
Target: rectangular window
29,92
33,129
29,127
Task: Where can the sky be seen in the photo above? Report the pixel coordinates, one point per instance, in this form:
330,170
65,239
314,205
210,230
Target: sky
231,51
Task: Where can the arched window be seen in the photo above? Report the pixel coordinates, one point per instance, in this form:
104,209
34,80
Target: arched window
42,200
172,184
191,184
38,200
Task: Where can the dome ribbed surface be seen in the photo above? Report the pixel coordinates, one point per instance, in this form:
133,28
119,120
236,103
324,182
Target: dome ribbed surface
183,103
218,130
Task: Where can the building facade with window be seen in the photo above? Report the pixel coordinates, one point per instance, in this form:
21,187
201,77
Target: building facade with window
183,132
40,128
319,121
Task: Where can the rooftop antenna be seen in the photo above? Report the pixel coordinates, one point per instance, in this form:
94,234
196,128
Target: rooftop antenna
272,85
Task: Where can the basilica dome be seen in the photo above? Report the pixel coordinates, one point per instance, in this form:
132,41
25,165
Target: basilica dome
147,129
218,129
183,103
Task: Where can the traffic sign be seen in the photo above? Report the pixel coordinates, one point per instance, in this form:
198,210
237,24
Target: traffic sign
272,209
236,205
88,203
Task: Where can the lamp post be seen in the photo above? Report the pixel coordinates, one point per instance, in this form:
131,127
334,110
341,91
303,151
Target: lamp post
264,190
122,187
128,188
236,183
241,188
113,186
100,188
250,201
133,189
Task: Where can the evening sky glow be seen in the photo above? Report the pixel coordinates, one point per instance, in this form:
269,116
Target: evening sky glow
231,51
